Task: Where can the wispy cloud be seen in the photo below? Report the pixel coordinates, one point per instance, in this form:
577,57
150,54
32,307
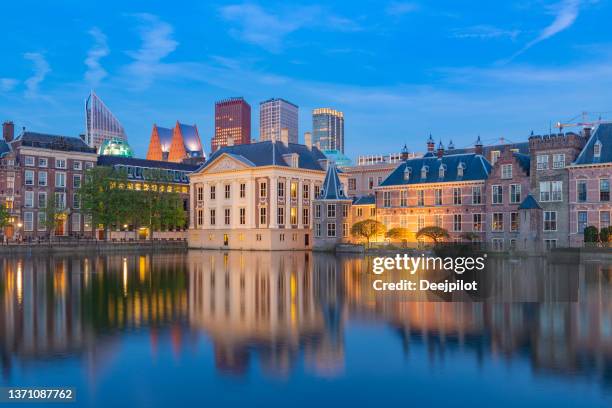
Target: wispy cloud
267,29
157,43
41,69
484,32
398,9
565,14
8,84
95,72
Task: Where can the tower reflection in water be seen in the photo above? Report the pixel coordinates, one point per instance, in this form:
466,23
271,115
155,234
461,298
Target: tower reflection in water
278,312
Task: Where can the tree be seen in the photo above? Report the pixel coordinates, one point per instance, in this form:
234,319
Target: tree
604,235
470,236
398,233
368,229
4,216
51,216
434,233
591,234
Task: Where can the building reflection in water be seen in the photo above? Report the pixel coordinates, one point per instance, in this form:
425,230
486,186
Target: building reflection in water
279,311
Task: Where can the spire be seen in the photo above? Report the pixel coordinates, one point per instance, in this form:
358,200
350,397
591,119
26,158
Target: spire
451,145
478,146
332,188
430,144
404,155
440,149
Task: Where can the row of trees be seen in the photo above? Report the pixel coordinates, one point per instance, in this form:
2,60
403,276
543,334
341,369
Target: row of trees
592,235
369,229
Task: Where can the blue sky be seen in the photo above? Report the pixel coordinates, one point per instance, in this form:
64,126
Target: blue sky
399,70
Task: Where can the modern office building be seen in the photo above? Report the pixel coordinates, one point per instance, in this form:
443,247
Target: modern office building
232,123
328,129
100,123
276,114
175,145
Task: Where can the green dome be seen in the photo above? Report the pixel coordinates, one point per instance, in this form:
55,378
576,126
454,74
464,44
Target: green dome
116,147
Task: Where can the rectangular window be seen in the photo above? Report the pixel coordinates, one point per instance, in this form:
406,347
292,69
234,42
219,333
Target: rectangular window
506,171
477,195
213,192
29,199
345,230
28,221
544,191
550,220
404,198
582,221
305,217
604,219
515,193
494,156
263,189
228,191
421,198
242,190
42,221
293,190
420,222
477,222
550,244
242,212
29,161
42,178
305,191
372,211
42,162
76,201
438,196
29,177
497,196
76,180
542,162
213,217
559,161
263,216
317,191
42,200
386,199
77,165
318,211
457,222
604,189
556,191
200,193
345,210
60,163
514,221
497,224
280,218
581,191
352,184
281,189
331,210
370,183
60,179
359,212
331,229
438,220
200,217
317,230
76,221
293,217
227,217
457,195
60,201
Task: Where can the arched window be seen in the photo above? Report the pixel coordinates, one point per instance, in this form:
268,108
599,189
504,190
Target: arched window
597,149
424,171
442,171
460,168
407,173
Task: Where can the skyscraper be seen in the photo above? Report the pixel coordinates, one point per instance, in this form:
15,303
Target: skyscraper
328,129
100,123
276,114
232,121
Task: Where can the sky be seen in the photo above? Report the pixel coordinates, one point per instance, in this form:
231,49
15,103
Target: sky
398,70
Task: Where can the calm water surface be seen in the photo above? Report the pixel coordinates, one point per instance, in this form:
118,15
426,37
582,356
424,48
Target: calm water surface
302,329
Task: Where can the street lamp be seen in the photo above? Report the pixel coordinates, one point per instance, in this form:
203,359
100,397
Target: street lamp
125,231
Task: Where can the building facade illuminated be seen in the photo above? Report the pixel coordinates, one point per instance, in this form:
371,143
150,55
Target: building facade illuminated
328,129
100,123
116,147
232,123
181,143
276,114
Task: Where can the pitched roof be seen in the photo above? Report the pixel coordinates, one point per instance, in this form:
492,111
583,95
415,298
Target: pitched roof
268,153
524,161
165,138
191,138
365,200
54,142
4,148
529,203
475,167
523,147
129,161
603,135
332,187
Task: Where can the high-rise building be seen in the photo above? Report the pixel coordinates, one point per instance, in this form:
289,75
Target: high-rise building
276,114
232,123
100,123
328,129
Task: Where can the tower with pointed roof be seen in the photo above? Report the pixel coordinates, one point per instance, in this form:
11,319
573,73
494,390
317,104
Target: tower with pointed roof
331,213
176,145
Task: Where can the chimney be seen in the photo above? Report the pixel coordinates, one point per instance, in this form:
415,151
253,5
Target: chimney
230,140
586,131
8,131
430,144
440,150
404,155
308,140
478,146
285,136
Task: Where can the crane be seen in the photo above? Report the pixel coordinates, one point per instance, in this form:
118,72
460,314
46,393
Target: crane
584,121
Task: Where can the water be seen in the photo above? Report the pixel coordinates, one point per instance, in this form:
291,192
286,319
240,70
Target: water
210,328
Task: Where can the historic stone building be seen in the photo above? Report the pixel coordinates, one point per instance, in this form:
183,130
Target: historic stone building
549,157
332,212
589,185
256,196
507,186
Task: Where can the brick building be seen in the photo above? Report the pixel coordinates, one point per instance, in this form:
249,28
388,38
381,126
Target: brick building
332,216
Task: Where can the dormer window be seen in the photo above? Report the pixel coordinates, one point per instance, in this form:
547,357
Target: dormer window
460,168
597,149
407,173
442,171
424,170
